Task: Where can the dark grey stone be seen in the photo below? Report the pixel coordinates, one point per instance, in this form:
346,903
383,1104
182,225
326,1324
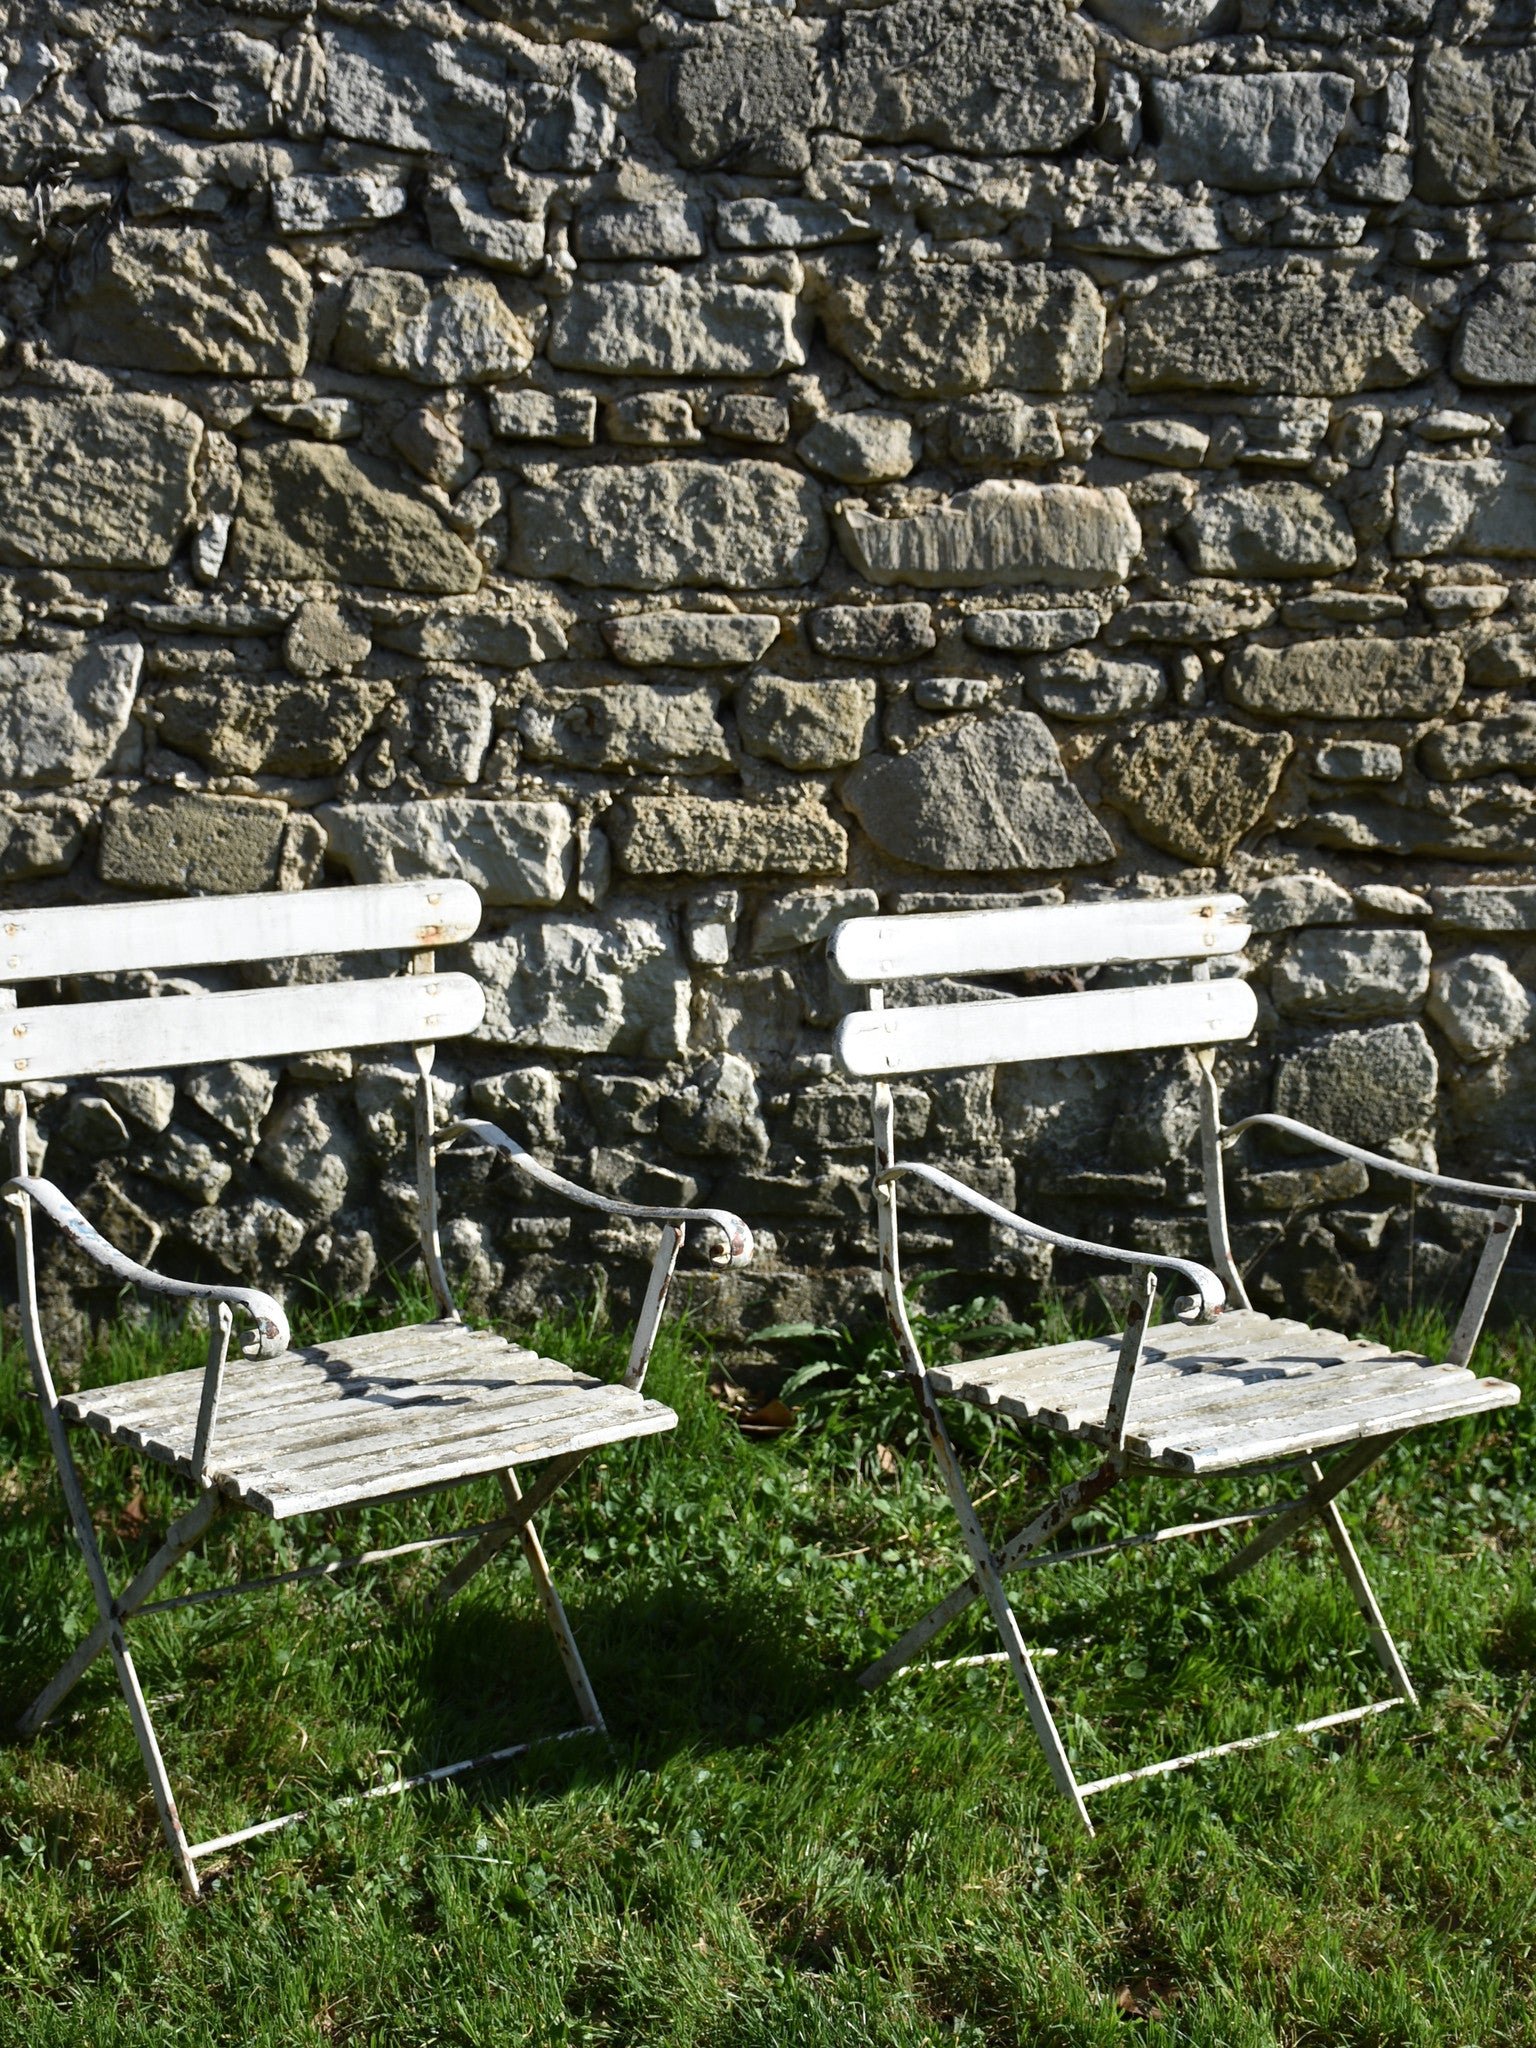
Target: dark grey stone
989,794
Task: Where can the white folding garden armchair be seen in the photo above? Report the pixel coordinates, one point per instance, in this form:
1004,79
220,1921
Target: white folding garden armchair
284,1432
1220,1389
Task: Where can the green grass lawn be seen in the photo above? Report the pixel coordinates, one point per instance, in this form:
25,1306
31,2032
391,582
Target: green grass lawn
763,1854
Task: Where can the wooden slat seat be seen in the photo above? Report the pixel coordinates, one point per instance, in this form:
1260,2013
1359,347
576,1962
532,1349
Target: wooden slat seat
370,1417
1211,1398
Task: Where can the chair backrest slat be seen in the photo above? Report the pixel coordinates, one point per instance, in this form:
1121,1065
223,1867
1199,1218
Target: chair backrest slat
876,949
943,1036
103,938
69,1039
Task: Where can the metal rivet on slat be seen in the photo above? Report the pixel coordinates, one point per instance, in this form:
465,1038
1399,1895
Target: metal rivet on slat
21,1066
18,1031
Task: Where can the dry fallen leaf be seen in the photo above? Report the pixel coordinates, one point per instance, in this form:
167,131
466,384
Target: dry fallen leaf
772,1419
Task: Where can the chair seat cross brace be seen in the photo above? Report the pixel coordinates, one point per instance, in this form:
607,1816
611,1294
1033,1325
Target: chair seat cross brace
1220,1388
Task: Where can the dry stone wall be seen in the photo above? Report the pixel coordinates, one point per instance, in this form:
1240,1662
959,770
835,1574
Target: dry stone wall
699,472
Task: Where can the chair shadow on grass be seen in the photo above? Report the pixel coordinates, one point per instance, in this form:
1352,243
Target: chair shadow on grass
678,1669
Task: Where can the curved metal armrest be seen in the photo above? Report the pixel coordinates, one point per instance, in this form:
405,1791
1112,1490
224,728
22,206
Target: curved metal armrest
1377,1160
1210,1296
738,1238
269,1334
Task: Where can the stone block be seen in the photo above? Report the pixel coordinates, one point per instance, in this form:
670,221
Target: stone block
213,86
1506,658
513,852
676,327
462,222
667,229
1486,506
615,984
462,331
321,639
184,301
309,1152
566,417
749,416
690,639
982,76
149,1099
747,525
1145,220
802,916
195,845
1496,342
1351,975
489,639
656,727
999,532
317,513
1358,761
989,794
240,726
1474,132
1288,902
40,839
862,448
63,715
1172,444
1364,678
95,483
1090,688
1480,1005
1481,746
1270,529
697,835
237,1095
806,725
954,693
1187,622
1194,788
1249,132
407,90
997,426
651,419
743,98
1372,1088
786,223
942,330
453,726
1292,328
320,203
1164,24
1032,632
873,632
1483,908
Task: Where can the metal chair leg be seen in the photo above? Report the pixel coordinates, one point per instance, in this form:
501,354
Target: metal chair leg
554,1613
990,1580
1064,1509
180,1538
1365,1599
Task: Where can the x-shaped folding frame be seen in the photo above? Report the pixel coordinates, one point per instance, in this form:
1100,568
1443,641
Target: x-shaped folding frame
1025,1550
115,1611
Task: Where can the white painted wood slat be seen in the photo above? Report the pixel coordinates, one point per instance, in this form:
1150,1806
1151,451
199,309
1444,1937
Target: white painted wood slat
1245,1390
872,949
941,1037
101,938
1262,1447
371,1417
396,1360
68,1039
